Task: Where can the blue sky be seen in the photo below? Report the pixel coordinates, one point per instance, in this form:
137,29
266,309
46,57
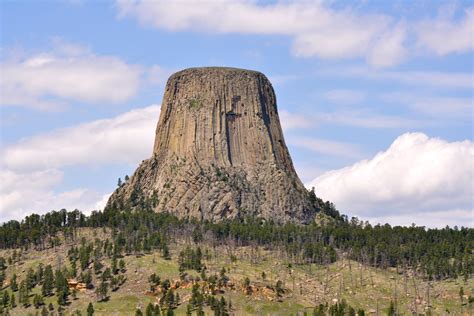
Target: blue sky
375,97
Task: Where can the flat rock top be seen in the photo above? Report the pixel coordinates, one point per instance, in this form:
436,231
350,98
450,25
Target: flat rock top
228,71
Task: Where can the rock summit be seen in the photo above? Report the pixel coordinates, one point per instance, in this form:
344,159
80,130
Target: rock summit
219,153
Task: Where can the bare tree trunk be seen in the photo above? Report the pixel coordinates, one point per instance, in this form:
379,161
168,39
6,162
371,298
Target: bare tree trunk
350,273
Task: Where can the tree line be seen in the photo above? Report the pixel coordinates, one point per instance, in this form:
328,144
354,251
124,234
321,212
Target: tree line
433,253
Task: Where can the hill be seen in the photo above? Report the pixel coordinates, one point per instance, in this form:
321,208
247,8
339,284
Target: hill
142,257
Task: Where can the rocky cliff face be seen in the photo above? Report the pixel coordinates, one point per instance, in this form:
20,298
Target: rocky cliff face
219,152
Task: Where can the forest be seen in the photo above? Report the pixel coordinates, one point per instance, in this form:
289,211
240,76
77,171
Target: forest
433,254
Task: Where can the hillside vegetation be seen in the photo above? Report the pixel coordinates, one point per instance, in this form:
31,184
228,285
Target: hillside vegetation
118,262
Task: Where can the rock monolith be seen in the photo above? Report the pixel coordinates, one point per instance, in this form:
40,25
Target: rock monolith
219,153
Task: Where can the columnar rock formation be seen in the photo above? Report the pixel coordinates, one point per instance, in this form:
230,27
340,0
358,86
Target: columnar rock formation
219,152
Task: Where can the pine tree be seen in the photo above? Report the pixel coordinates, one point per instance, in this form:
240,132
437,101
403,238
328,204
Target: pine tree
122,265
62,289
114,264
30,279
24,294
90,309
189,310
149,310
38,301
166,252
391,309
13,301
5,299
170,299
101,291
14,284
279,288
48,281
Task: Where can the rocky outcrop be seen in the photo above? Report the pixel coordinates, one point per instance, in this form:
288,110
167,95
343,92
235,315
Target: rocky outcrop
219,152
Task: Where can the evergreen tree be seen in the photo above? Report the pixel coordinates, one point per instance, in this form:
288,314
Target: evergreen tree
13,301
279,289
38,301
30,279
114,264
101,291
150,310
90,309
122,265
24,294
48,281
189,310
5,299
166,252
14,285
391,309
62,289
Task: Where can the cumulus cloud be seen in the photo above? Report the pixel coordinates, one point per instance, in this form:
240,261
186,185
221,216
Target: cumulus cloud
444,34
316,29
47,81
127,138
416,178
23,193
32,169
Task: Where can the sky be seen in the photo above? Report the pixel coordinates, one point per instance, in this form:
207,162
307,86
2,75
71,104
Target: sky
375,97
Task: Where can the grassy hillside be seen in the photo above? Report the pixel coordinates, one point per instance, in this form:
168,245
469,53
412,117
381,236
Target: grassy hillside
304,285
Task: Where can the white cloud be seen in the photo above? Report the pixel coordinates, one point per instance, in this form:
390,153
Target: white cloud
327,147
390,48
444,35
47,81
290,120
439,106
363,118
32,172
316,29
420,78
433,219
24,193
127,138
417,176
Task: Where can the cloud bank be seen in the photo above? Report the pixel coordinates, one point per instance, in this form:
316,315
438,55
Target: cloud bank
126,138
48,81
316,29
32,169
417,179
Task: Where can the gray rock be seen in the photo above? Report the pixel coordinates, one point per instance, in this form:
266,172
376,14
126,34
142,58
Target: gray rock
219,152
